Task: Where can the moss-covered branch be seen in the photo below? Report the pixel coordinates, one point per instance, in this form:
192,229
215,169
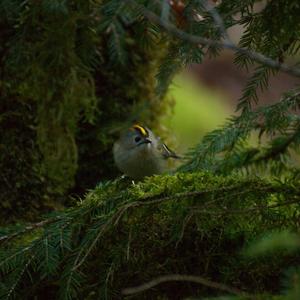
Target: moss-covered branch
128,233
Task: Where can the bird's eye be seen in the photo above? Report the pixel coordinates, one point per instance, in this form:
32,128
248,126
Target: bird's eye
137,139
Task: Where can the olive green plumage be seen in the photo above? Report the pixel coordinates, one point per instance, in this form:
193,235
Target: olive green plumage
139,153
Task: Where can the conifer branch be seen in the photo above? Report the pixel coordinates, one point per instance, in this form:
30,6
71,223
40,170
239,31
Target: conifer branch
20,275
217,19
152,200
271,120
198,40
116,217
144,201
106,219
29,228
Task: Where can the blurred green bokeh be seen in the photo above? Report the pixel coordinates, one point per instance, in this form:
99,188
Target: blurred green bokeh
197,110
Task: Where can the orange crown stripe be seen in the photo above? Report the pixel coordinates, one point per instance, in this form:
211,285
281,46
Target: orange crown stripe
141,129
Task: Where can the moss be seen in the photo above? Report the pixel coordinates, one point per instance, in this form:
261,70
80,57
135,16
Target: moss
25,193
64,98
122,234
170,237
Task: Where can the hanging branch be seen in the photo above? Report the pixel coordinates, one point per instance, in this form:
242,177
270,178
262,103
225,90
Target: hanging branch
197,40
189,278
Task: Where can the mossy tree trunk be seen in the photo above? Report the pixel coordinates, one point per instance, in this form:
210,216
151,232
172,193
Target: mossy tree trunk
66,91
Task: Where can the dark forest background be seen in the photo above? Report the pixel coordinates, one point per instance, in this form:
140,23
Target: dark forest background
224,225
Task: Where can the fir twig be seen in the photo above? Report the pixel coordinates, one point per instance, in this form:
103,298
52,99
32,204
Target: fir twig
152,200
29,228
197,40
217,19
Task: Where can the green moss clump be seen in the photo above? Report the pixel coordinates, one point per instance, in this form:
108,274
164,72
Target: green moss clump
65,95
122,235
24,190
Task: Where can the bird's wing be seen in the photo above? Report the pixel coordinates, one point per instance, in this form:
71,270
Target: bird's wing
167,152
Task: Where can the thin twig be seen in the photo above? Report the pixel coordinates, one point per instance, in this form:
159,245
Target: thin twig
165,10
217,19
194,39
28,228
12,288
189,278
78,262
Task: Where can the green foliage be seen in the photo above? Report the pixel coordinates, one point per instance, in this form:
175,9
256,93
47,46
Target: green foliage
48,71
228,149
23,188
278,128
60,73
75,72
276,241
81,66
121,234
42,69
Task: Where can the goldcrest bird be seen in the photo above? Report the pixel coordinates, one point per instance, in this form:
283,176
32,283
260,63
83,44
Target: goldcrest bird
139,153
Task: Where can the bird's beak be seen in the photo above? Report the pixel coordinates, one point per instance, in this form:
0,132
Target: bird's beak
145,141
